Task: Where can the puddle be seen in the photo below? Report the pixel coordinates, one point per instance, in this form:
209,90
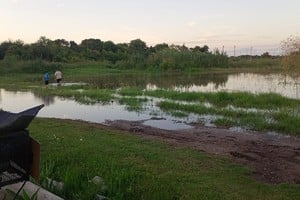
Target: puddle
67,84
167,124
237,129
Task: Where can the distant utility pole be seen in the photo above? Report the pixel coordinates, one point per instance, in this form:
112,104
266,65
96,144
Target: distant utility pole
223,49
234,47
251,48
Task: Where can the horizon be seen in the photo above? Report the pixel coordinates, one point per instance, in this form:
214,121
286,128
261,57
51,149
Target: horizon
253,27
235,50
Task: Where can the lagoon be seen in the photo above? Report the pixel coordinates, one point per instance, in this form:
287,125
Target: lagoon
64,108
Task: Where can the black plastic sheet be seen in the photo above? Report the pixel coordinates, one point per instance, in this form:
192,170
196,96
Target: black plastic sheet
16,153
11,122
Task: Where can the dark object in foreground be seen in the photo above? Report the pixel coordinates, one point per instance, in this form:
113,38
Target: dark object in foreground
19,153
10,122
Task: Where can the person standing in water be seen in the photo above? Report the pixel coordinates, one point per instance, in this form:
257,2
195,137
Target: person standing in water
58,76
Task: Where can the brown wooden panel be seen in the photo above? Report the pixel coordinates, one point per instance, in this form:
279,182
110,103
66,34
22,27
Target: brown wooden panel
35,167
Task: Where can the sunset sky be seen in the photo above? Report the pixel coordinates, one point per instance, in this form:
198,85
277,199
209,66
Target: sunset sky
256,23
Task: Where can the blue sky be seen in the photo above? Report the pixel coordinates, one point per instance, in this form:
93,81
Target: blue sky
257,24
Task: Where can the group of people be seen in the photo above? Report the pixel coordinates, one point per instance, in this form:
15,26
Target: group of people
57,75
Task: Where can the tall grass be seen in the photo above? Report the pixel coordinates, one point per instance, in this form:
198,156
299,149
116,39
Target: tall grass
255,62
11,65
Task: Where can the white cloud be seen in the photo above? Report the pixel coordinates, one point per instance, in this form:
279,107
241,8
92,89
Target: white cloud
191,24
60,4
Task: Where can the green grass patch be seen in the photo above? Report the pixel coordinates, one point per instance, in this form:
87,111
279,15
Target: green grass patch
81,94
137,168
237,99
282,122
178,114
130,91
133,104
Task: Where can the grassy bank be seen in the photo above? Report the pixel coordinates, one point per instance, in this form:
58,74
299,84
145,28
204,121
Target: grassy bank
135,168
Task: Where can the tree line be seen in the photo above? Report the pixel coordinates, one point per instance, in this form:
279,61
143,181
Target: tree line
135,54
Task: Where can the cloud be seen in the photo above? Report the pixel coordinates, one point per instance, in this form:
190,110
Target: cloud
212,16
60,4
191,24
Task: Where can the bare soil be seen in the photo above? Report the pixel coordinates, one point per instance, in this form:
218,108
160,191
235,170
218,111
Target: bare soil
273,158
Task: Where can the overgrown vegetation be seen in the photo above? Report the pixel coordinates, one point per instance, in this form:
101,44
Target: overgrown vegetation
135,168
260,62
136,54
291,58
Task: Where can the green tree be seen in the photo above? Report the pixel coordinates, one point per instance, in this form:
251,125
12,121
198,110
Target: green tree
74,46
266,55
110,46
4,47
138,51
61,43
160,47
92,44
137,46
15,49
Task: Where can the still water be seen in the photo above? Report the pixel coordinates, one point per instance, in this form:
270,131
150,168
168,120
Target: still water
254,83
250,82
151,115
69,109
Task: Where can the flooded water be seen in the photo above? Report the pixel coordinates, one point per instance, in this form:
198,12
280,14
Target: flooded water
213,82
254,83
56,107
151,115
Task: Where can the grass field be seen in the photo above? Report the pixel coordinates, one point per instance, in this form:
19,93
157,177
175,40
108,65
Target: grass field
136,168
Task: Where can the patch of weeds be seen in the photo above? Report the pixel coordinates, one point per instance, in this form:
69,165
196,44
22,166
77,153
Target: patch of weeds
227,122
130,91
133,104
178,114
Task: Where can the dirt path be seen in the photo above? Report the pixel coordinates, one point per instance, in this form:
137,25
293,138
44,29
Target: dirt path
274,158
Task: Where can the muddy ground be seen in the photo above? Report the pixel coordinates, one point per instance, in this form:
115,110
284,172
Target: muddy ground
273,158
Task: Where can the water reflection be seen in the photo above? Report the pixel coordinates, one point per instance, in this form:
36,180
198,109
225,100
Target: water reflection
69,109
211,82
47,99
248,82
15,101
160,80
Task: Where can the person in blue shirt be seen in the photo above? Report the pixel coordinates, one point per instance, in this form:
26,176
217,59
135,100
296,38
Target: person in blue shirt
46,78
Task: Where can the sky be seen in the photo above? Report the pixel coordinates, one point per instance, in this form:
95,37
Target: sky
251,26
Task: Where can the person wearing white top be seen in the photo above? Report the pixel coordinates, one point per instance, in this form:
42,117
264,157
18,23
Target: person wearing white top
58,76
